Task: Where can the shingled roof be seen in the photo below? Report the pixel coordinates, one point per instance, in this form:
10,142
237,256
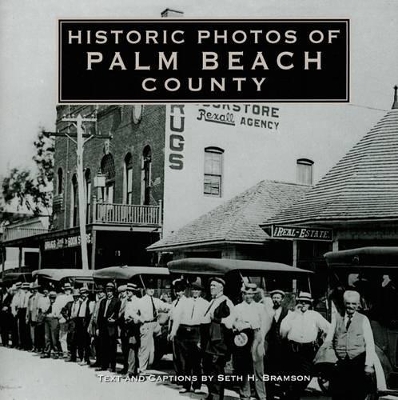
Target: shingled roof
237,220
362,186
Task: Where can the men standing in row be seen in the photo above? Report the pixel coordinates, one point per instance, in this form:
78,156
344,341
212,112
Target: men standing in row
149,308
218,347
107,328
185,333
301,328
354,346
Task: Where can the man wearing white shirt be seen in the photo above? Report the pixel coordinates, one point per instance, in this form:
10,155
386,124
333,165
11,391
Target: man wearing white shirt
355,349
24,334
51,328
131,324
149,307
301,328
247,320
61,302
86,308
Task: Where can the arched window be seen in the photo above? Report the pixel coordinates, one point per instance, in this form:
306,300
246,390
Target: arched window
87,187
108,169
59,180
213,170
128,179
74,202
146,175
304,171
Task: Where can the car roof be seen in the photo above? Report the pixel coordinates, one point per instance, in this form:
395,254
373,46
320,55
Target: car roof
221,266
127,272
377,257
58,274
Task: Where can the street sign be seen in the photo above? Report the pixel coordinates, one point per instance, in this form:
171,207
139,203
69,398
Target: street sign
301,233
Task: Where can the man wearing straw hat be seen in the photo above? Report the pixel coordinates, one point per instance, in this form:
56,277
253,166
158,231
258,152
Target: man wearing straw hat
132,328
70,313
61,302
248,322
301,328
83,320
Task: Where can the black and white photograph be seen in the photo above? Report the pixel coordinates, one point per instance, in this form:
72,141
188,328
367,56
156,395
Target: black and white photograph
198,200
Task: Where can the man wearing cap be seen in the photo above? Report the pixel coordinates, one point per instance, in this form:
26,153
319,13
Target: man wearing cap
301,328
31,314
82,321
353,343
123,333
93,326
274,361
132,327
247,320
6,317
42,305
70,314
51,328
107,328
62,300
15,305
218,348
149,308
185,333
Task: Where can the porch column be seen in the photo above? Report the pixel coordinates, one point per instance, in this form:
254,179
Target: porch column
40,257
20,259
3,260
93,247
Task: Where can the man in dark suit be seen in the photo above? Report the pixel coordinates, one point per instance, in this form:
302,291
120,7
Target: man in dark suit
6,317
70,313
107,328
274,358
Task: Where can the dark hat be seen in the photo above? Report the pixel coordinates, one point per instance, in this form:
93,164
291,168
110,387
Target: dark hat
131,287
305,296
52,295
99,288
250,288
218,280
18,285
83,290
26,285
196,286
110,285
150,284
179,286
277,291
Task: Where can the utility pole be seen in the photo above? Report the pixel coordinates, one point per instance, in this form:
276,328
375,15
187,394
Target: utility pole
81,140
78,121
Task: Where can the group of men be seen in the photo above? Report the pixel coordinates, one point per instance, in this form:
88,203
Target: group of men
260,335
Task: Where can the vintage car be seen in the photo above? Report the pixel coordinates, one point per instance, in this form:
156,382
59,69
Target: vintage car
267,275
53,278
373,272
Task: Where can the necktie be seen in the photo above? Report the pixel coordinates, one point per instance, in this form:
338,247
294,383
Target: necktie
349,319
80,306
106,306
155,314
193,308
50,310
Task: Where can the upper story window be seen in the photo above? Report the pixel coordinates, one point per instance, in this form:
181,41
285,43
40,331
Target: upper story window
128,179
213,171
108,169
59,180
146,175
304,171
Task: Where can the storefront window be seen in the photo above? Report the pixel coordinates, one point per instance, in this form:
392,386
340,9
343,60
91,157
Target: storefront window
213,171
